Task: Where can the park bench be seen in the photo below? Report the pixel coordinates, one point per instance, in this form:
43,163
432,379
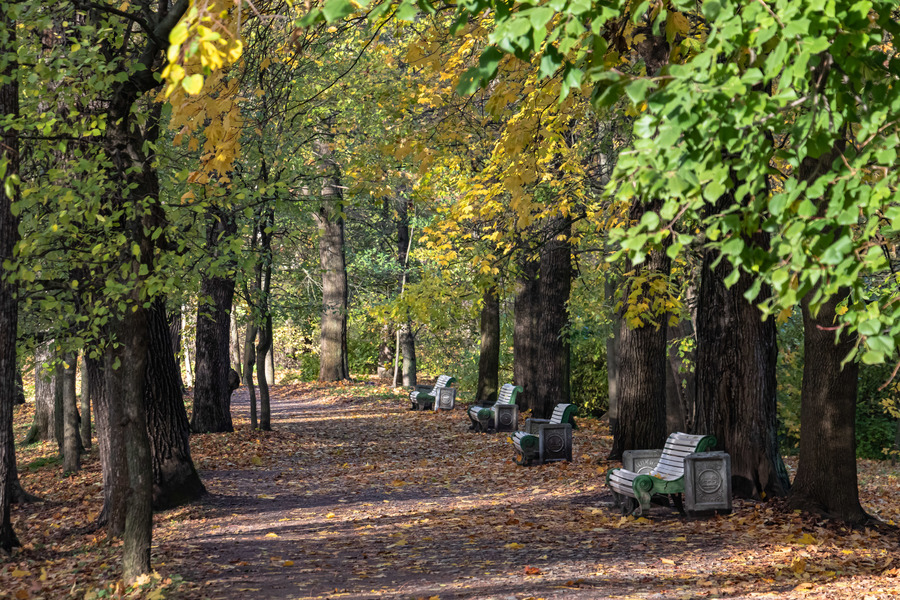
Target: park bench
502,415
666,478
440,396
546,440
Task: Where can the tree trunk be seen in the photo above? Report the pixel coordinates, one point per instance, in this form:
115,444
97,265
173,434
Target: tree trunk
262,350
45,385
126,384
175,480
680,385
9,235
527,323
826,481
112,461
249,363
333,355
72,448
176,326
735,378
235,345
385,352
408,352
539,336
270,355
642,360
613,343
85,406
489,356
212,394
20,388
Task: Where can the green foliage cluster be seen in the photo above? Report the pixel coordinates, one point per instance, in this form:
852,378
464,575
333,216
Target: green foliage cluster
876,425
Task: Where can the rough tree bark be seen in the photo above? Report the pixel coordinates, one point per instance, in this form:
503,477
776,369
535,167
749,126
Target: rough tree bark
175,480
212,394
249,363
541,349
406,333
9,235
71,447
46,385
112,460
642,361
489,355
20,388
735,379
264,346
333,354
826,480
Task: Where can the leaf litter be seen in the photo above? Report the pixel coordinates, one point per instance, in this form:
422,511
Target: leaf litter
353,496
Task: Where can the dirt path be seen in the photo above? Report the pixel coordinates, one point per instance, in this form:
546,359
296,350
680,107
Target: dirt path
364,499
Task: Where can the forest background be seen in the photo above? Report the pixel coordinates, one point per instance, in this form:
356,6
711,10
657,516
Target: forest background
568,184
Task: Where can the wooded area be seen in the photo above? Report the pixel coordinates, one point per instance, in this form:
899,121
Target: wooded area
678,216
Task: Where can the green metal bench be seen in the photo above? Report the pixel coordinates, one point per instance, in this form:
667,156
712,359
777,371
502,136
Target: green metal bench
501,415
666,478
440,396
546,440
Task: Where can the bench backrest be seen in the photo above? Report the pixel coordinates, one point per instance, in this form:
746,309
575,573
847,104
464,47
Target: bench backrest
562,413
442,382
678,446
508,394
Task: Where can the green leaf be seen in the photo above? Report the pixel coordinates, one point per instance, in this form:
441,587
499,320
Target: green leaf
637,90
338,9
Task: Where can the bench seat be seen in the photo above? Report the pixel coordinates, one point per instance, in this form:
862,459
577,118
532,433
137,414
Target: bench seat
546,440
499,416
666,478
441,396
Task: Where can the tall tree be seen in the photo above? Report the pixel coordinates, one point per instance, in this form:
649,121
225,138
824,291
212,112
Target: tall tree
333,357
9,235
212,393
489,353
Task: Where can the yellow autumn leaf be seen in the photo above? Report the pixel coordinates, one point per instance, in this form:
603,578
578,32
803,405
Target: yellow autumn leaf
667,561
287,563
515,546
271,535
20,573
265,497
256,461
330,516
192,84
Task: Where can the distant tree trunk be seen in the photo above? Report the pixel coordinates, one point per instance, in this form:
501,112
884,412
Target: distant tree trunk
175,327
542,362
333,355
175,480
249,363
188,359
9,235
270,355
71,448
735,378
613,342
641,390
264,346
406,335
46,383
113,466
408,352
262,350
236,360
212,394
20,388
385,352
86,432
489,356
678,385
